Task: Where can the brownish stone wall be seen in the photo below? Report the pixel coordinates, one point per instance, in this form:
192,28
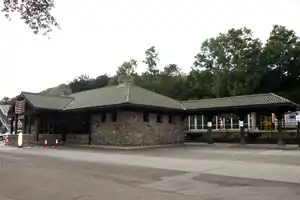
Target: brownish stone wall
132,131
27,140
50,138
77,139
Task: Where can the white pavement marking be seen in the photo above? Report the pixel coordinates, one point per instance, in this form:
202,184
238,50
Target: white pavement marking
8,148
272,172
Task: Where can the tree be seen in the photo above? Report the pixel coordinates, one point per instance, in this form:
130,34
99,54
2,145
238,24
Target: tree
5,101
282,57
81,83
171,70
151,60
234,60
35,13
128,68
198,85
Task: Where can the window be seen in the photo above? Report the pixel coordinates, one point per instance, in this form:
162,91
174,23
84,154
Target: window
158,119
145,117
114,117
170,119
103,119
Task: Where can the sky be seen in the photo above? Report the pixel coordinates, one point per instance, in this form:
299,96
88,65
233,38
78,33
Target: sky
97,36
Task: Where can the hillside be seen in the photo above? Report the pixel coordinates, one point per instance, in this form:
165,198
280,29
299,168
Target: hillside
61,90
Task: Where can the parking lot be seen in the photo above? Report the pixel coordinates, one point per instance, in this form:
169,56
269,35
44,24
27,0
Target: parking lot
189,172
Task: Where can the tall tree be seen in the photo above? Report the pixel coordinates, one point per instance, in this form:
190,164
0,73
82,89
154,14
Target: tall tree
172,70
128,68
5,101
80,83
151,60
35,13
282,56
234,60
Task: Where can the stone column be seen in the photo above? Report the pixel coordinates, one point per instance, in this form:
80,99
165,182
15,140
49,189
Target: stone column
249,122
189,123
217,122
253,120
195,122
231,123
279,116
202,124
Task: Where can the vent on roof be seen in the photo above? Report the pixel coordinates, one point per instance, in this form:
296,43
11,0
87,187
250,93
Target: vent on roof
125,79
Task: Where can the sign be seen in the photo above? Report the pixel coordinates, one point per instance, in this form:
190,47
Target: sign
241,123
20,139
20,107
209,124
298,118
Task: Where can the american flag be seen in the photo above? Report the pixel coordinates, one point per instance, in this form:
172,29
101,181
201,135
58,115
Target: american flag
20,107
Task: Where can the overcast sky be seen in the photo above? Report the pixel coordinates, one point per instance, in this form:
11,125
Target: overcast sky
98,35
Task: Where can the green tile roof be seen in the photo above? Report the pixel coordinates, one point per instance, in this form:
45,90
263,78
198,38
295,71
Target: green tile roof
237,101
121,94
105,96
42,101
135,95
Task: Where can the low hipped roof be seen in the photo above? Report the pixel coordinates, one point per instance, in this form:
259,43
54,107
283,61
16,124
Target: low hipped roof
129,94
257,100
103,97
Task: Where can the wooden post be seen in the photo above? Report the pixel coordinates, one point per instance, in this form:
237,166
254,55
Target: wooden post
16,123
37,127
24,125
29,124
12,124
89,125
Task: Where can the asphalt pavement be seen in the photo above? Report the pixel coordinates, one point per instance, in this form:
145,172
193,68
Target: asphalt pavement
154,174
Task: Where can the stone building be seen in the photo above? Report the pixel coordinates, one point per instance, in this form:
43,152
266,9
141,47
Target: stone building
125,115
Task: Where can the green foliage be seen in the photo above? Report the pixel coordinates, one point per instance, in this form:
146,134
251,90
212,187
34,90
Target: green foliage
5,101
232,63
128,68
151,60
35,13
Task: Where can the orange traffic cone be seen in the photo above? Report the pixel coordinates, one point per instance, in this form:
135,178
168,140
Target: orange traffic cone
6,141
45,143
56,143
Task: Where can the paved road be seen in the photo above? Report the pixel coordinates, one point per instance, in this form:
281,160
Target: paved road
172,173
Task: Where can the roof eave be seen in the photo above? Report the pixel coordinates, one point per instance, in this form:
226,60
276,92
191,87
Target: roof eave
290,105
123,105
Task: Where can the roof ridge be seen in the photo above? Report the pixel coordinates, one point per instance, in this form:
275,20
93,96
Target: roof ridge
93,89
47,95
280,97
287,100
159,94
128,93
66,106
247,95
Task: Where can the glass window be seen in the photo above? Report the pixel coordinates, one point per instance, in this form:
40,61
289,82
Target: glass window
145,116
103,117
158,118
114,117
